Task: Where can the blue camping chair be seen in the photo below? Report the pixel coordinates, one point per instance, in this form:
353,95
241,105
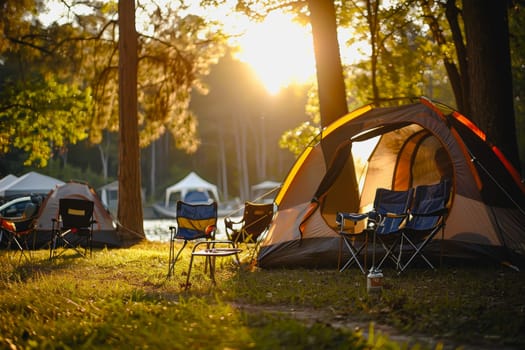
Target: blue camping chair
427,217
384,222
392,209
197,221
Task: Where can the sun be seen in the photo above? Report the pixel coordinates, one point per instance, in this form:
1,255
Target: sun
279,50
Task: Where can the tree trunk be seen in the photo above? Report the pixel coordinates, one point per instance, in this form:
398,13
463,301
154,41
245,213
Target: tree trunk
458,77
330,79
489,70
130,214
372,10
153,169
223,169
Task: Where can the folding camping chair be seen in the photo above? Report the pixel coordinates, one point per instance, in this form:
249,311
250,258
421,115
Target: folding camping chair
73,228
427,217
254,223
16,231
198,221
389,212
355,242
392,207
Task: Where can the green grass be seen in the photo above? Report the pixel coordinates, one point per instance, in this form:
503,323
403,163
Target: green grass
121,299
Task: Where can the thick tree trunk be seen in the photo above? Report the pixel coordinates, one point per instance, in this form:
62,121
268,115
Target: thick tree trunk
130,214
489,70
372,10
330,79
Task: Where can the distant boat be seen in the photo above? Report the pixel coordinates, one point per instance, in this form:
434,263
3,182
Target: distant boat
192,189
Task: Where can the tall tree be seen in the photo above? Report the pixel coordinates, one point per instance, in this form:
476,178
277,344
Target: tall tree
129,194
489,71
480,71
330,79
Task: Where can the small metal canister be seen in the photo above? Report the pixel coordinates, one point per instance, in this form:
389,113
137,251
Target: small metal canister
374,281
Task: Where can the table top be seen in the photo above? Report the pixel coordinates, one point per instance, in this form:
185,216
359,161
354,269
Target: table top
217,252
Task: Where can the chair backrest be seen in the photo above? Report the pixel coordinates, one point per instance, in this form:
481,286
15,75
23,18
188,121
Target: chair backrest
429,199
193,220
257,217
75,213
392,202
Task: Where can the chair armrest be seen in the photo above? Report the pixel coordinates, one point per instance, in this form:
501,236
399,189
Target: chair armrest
7,225
350,216
210,231
395,215
228,223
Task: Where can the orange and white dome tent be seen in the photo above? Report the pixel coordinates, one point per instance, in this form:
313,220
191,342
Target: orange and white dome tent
397,147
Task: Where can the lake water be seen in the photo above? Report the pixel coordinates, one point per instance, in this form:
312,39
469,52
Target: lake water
158,230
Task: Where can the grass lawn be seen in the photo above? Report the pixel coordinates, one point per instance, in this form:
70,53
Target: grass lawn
120,298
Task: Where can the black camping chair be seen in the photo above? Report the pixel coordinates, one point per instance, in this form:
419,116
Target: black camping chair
15,231
254,223
74,227
427,217
383,222
197,221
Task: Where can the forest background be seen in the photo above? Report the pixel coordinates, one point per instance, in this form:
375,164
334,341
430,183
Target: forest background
200,108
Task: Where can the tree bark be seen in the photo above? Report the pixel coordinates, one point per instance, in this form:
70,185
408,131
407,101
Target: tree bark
330,79
489,70
372,11
130,214
458,77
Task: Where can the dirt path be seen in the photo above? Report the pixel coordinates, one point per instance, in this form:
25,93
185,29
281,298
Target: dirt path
330,317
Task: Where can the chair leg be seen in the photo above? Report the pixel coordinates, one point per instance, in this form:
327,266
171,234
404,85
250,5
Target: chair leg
418,252
52,244
173,258
187,285
355,254
11,238
389,251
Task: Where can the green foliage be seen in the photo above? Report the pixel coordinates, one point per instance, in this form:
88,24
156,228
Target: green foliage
42,117
295,140
174,54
